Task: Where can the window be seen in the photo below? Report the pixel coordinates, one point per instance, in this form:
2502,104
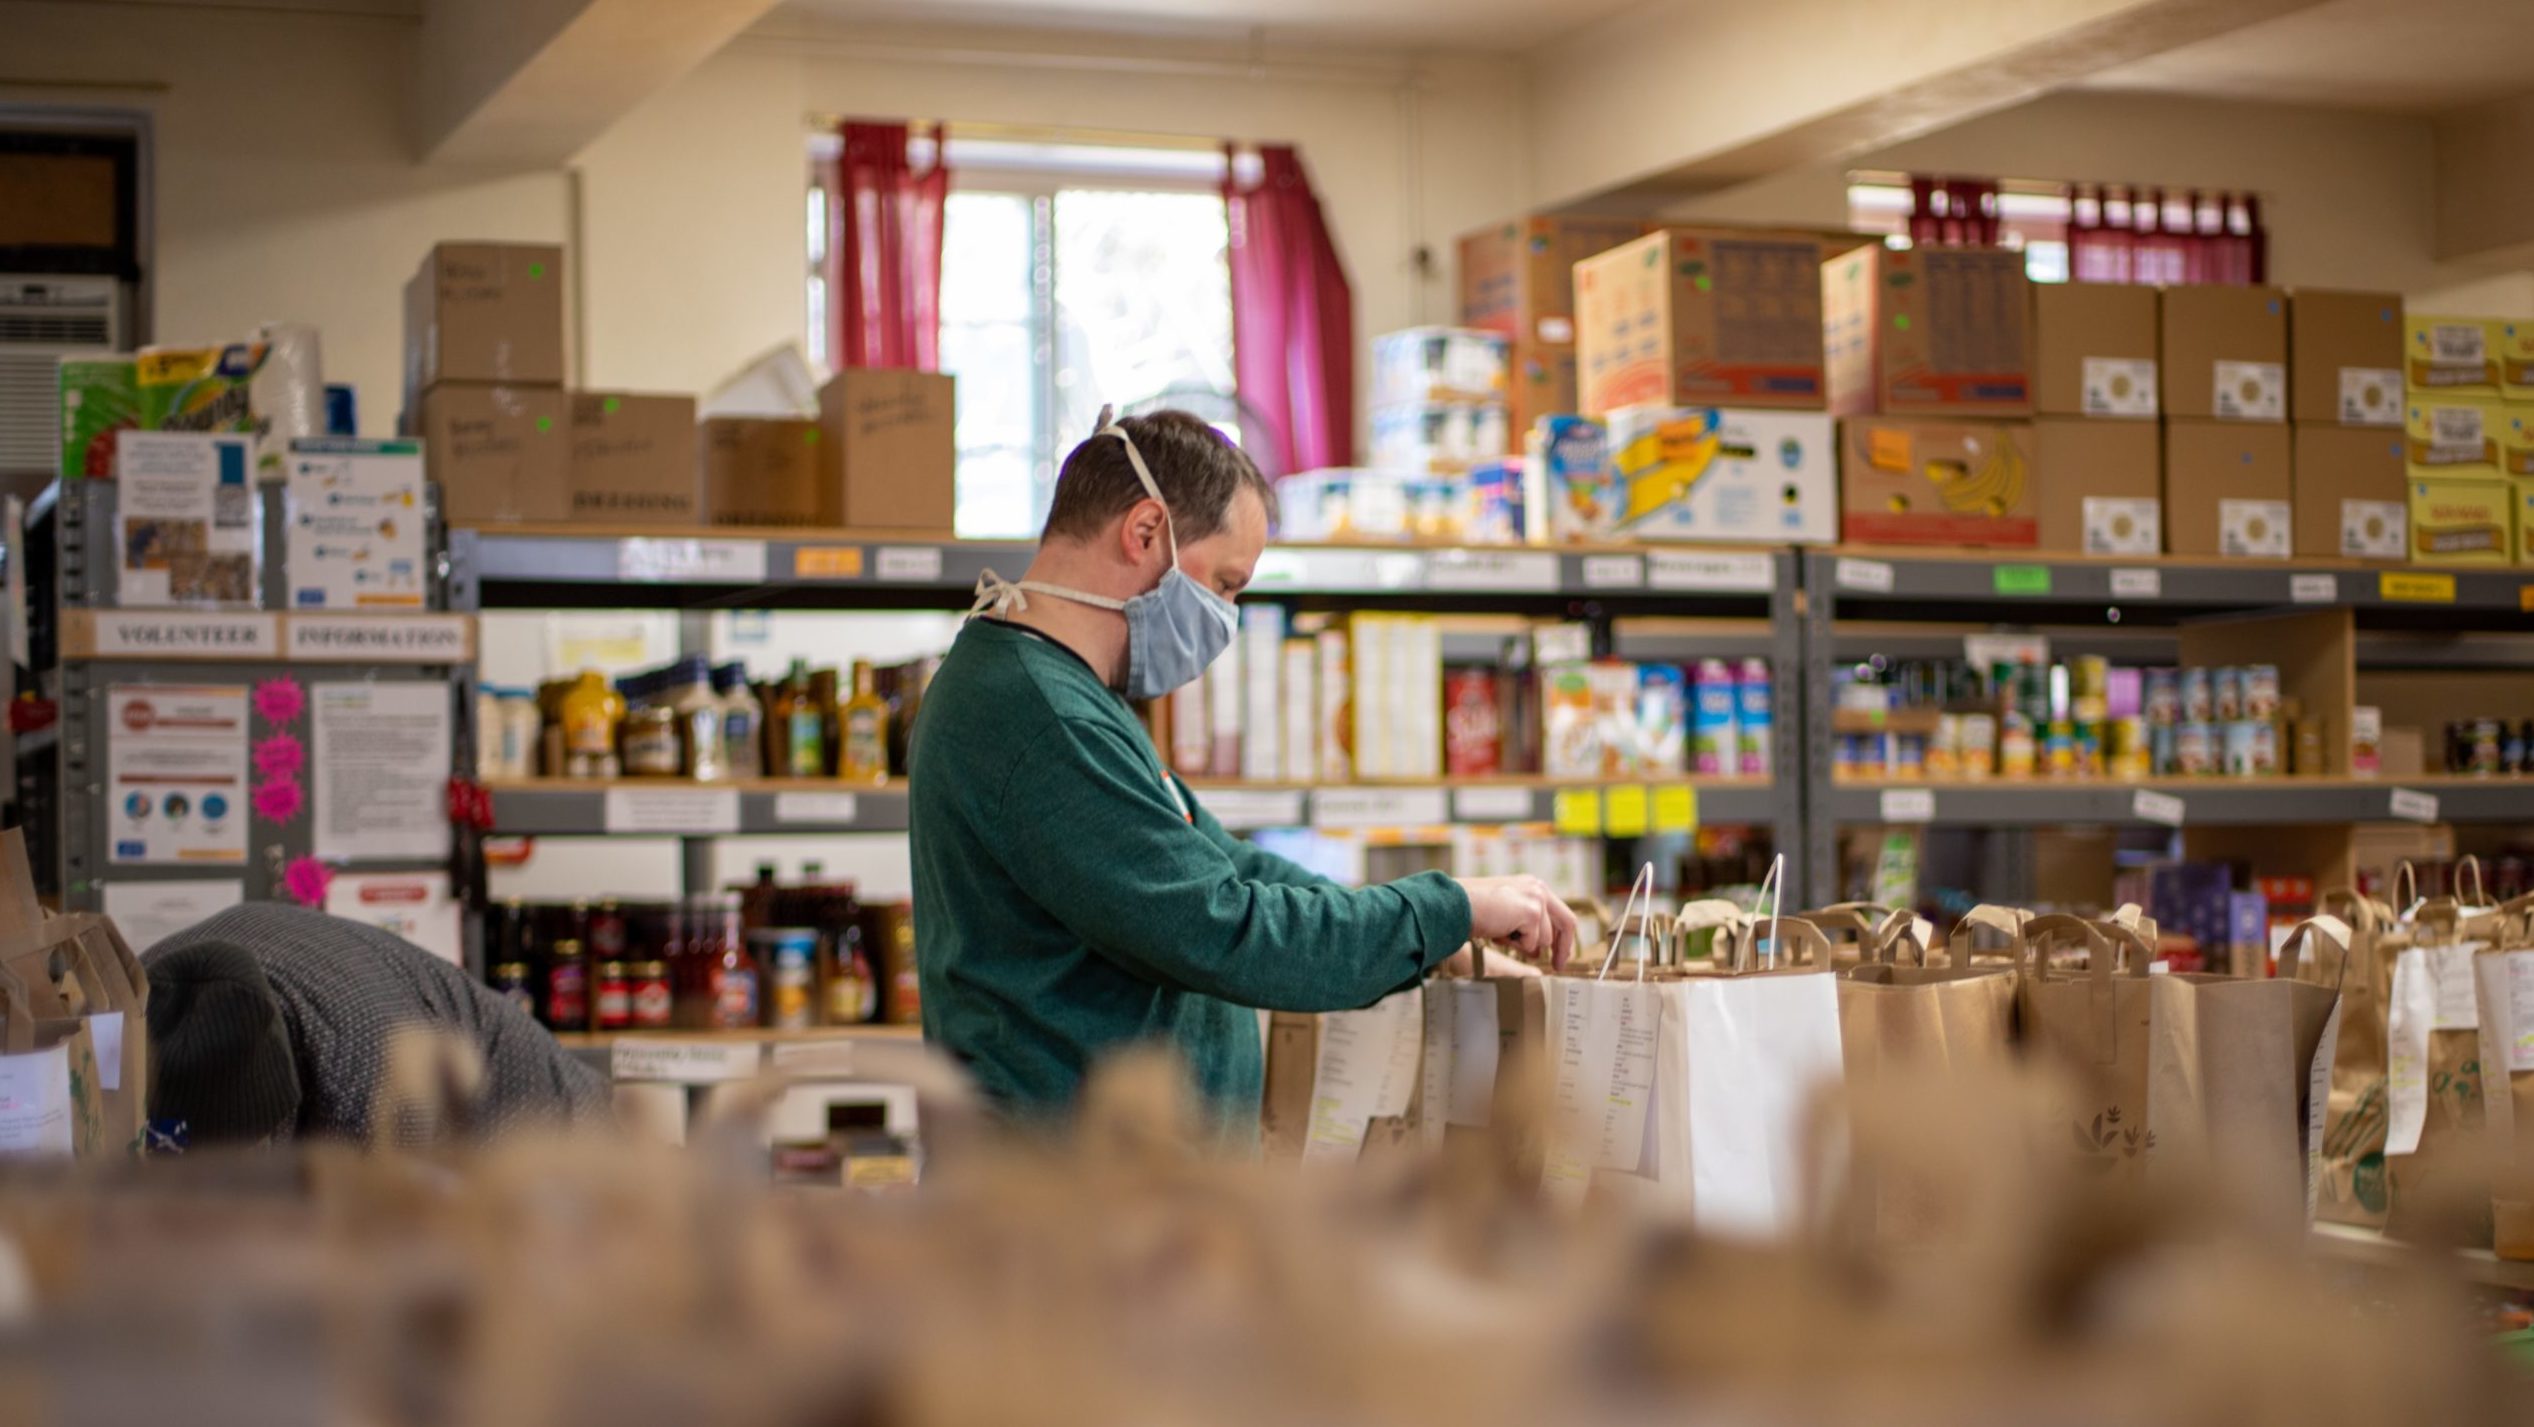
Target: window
1072,275
2033,216
2097,232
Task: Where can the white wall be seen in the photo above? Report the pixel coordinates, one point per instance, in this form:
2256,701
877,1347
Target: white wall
2350,199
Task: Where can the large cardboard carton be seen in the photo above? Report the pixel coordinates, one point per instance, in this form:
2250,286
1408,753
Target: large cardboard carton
2448,433
1542,384
2463,519
1694,317
1518,278
633,459
2350,500
1928,332
764,471
485,312
2094,350
2458,356
1703,473
2345,357
2225,353
2228,489
1916,482
500,454
891,460
2101,485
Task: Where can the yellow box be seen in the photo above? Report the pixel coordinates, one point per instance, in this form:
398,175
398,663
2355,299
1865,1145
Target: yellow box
2463,520
2516,359
2516,440
2451,354
2444,434
2524,522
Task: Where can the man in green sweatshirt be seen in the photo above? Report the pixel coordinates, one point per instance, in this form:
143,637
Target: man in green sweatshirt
1071,897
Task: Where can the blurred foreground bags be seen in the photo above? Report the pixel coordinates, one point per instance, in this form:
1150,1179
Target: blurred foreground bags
2503,993
2353,1185
74,1072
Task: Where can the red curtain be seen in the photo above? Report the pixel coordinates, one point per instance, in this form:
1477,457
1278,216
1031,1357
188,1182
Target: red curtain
2147,235
1293,316
1952,212
884,229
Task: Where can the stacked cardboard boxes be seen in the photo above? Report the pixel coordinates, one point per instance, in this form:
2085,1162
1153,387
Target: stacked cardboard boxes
2229,488
1929,360
2098,447
2457,433
2345,396
1517,279
881,455
484,380
1438,400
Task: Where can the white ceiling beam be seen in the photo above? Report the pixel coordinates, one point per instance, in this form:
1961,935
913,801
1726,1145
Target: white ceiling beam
532,82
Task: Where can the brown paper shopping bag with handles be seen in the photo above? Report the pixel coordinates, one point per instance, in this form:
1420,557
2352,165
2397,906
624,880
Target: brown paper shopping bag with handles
2238,1067
49,1106
2352,1185
1898,1007
2503,987
2090,1024
2435,1147
80,966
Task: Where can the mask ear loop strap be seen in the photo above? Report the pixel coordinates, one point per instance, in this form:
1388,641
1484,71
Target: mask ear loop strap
1135,458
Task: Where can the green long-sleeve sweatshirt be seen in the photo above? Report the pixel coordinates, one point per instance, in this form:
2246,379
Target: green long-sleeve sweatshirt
1071,898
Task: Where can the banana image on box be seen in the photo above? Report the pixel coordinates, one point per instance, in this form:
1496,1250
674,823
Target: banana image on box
1716,473
1938,482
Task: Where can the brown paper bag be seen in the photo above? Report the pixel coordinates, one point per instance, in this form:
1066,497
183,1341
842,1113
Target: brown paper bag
2353,1187
2503,988
1341,1083
2238,1068
2092,1025
49,1103
79,967
1896,1009
2436,1146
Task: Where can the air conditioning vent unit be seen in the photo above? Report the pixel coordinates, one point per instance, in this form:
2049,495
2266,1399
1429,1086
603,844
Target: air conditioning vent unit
42,320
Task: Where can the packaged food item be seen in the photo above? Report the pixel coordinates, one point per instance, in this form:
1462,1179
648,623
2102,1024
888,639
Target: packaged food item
2194,750
2162,759
2199,703
1755,717
2226,694
2264,757
100,397
2163,697
1473,729
2016,750
789,958
1979,745
2261,690
1714,739
649,741
2238,761
1908,756
1944,751
1571,740
1662,714
590,713
653,1003
2058,750
2127,756
198,388
1570,490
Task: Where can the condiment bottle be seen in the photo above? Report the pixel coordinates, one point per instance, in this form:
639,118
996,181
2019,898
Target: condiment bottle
803,727
697,710
567,1005
737,990
862,743
651,731
654,1006
590,713
742,723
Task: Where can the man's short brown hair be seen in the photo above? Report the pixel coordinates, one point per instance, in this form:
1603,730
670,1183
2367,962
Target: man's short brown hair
1197,469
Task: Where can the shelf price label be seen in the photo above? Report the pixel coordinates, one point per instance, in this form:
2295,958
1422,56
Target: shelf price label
2411,805
1491,805
827,562
1533,572
1249,809
2415,587
1626,811
645,561
1676,808
673,812
1379,807
2021,579
684,1062
2313,589
909,564
817,809
1909,805
1679,570
1871,576
2137,584
1576,812
1614,572
2150,806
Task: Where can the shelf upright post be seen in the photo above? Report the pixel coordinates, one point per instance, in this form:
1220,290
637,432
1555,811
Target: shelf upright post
1818,596
1789,730
695,854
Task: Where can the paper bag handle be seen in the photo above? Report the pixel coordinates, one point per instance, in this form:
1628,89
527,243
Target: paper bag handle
2406,888
2298,951
17,1036
2349,906
1794,934
2044,934
2480,897
1898,929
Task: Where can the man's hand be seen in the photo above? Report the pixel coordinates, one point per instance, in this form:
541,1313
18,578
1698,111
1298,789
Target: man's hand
1521,911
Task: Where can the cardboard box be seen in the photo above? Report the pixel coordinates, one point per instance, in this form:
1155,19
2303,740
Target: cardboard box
2094,350
2228,490
1693,317
633,459
2516,360
500,454
2225,353
1915,482
1518,278
1543,384
891,460
2516,440
2463,520
2350,499
2459,356
763,471
1928,332
2524,521
2101,485
485,312
2448,433
2345,357
1701,473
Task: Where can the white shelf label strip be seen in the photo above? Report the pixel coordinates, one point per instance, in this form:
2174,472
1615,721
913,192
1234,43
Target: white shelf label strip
1379,807
913,563
1872,576
1755,571
2411,805
822,809
691,562
684,1062
2137,584
2313,589
1248,809
1614,572
2154,807
673,812
1909,805
1492,805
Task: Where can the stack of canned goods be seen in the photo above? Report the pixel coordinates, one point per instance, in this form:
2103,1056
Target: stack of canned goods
2490,746
2214,722
2076,719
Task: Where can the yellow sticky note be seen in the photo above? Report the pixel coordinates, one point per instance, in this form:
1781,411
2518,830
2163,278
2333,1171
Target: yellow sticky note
1625,812
1577,812
1676,809
1887,448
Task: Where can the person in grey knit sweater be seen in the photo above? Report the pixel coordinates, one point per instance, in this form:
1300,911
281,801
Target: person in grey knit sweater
272,1022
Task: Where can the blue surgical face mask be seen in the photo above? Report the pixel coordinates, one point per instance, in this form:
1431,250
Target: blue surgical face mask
1173,630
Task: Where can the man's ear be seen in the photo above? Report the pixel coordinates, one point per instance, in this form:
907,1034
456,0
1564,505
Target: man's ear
1144,526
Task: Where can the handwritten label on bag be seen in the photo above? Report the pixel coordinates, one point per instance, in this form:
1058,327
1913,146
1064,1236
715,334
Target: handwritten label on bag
2450,974
2409,1014
1442,1010
2520,1023
1366,1066
1605,1067
35,1102
106,1029
1470,1093
2318,1100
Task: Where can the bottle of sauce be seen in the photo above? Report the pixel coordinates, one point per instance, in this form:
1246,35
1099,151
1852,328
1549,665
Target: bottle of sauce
702,754
802,725
862,743
650,733
567,988
590,712
511,981
742,723
737,988
831,708
654,1005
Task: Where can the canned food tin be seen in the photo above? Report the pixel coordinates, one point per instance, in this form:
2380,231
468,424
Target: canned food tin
2261,690
2196,704
1979,745
2237,758
787,957
2226,693
2194,750
2164,697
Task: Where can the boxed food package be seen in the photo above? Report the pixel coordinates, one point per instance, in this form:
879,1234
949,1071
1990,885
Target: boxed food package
2462,519
1927,332
633,459
1493,512
1694,317
2516,440
2454,355
500,454
100,396
485,312
2345,357
2225,353
2445,433
1914,482
2228,489
1346,504
2516,359
356,513
1591,719
198,388
1543,385
1570,492
2101,485
2349,493
762,471
891,458
1704,473
1518,278
1424,365
1437,437
2094,349
2524,521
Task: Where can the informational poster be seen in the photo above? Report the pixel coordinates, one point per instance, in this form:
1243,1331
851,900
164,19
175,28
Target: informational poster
413,905
382,752
150,912
355,537
185,520
176,770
